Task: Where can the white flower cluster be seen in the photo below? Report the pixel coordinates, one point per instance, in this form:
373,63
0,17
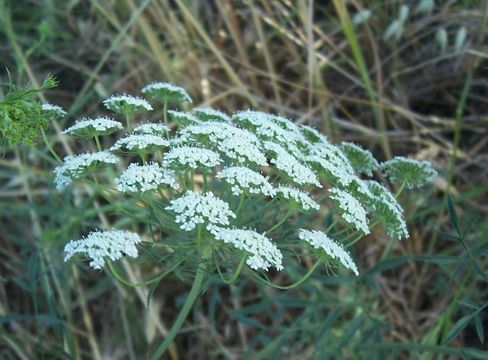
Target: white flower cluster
264,253
313,135
55,109
386,208
298,196
166,91
151,129
235,143
412,173
91,127
183,118
141,178
193,157
330,159
209,114
352,210
74,166
99,245
360,159
319,240
243,179
284,161
126,104
139,142
193,209
270,127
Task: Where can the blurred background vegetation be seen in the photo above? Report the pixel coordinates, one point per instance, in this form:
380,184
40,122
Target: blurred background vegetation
401,77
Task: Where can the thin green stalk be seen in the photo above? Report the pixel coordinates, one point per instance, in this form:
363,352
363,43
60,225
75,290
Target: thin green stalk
236,273
97,142
294,285
49,147
287,215
241,203
185,310
127,122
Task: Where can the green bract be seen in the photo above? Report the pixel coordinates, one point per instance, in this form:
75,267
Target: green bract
361,160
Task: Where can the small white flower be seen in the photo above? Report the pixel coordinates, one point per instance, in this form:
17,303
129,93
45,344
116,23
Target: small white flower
126,104
166,91
151,129
289,164
54,109
243,179
319,240
74,166
193,157
137,143
352,210
193,209
92,127
209,114
141,178
98,245
297,196
264,252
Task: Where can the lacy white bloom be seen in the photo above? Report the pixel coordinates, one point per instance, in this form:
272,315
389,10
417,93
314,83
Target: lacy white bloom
55,109
209,114
126,104
352,210
237,144
99,245
386,209
331,160
243,179
193,157
152,129
287,163
140,178
412,173
137,143
92,127
193,208
74,166
264,253
267,128
360,159
166,91
297,196
319,240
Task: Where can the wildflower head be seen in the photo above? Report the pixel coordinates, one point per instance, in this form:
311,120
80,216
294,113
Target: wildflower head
412,173
205,209
94,127
244,180
140,143
351,209
99,246
209,114
321,241
165,91
126,104
360,159
142,178
190,157
53,110
151,129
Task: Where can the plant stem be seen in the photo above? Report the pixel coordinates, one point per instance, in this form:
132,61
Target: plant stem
127,122
97,141
236,273
51,150
287,215
402,187
241,202
299,282
190,300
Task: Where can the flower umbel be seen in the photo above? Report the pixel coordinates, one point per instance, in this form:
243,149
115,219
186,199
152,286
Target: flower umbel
99,245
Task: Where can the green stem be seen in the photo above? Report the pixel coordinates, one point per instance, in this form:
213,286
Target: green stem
127,122
147,282
294,285
287,215
165,115
190,300
97,142
51,150
236,274
241,202
402,187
